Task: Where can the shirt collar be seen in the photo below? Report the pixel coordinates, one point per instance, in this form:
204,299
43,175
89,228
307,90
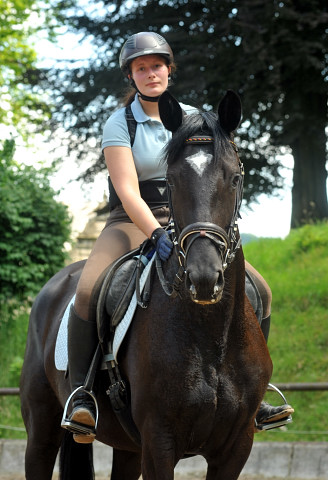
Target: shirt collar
138,111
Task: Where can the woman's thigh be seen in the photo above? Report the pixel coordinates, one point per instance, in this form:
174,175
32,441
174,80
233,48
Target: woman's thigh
113,242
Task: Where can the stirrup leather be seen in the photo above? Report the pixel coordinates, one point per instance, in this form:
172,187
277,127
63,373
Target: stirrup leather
76,427
259,427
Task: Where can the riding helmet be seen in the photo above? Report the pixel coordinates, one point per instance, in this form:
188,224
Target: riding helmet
144,43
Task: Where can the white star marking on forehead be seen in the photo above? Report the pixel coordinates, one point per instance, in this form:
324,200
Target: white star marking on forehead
199,161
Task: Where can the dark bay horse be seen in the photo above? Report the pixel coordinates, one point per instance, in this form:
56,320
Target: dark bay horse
196,362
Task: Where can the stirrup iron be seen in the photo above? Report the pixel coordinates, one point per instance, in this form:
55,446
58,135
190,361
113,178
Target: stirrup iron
279,423
76,427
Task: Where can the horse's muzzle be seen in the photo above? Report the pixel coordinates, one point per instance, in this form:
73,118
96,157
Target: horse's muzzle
205,292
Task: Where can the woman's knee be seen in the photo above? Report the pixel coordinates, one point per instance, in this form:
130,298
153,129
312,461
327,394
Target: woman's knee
263,288
82,301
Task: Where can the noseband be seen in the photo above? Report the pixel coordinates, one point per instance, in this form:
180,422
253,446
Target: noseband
196,230
226,242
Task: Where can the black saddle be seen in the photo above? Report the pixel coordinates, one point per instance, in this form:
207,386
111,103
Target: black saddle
120,283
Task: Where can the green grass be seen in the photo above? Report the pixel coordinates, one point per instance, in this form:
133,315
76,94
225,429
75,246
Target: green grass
13,330
296,268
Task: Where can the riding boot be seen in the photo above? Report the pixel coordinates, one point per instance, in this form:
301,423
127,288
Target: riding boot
82,344
269,417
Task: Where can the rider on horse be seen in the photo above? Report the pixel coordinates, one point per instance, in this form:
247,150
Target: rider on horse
139,210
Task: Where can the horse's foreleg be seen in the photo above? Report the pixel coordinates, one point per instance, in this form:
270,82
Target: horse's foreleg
158,458
41,413
125,465
229,462
43,442
39,462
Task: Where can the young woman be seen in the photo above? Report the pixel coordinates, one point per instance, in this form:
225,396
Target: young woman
138,204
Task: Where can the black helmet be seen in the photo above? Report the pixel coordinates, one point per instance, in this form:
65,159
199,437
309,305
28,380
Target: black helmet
144,43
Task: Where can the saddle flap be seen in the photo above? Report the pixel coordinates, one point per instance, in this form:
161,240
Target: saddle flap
120,291
254,296
117,290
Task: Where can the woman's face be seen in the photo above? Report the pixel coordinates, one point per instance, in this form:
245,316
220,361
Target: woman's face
150,74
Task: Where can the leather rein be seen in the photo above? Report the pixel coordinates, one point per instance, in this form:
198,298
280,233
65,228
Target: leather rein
226,241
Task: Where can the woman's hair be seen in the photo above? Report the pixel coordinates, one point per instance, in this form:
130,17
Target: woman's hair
130,92
129,96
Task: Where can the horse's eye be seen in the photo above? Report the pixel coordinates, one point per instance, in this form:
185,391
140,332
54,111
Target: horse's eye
235,180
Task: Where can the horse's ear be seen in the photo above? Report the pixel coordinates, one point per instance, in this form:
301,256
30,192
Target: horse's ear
230,111
170,111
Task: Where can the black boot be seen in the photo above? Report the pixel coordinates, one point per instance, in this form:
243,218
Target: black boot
269,417
82,344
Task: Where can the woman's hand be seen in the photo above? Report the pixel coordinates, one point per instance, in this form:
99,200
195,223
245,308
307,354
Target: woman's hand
162,242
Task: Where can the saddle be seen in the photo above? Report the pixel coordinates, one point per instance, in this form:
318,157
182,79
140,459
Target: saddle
120,283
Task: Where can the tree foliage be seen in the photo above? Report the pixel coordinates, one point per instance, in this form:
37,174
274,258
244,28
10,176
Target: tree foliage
22,102
274,53
33,228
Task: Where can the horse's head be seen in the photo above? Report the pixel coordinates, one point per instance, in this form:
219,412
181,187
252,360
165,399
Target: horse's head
205,179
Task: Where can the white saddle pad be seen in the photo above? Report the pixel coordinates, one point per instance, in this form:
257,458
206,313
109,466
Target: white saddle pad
61,355
61,351
124,324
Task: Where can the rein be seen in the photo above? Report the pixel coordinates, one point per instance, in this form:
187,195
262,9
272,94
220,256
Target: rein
226,242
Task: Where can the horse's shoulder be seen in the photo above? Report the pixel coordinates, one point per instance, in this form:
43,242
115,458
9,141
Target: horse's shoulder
69,272
61,286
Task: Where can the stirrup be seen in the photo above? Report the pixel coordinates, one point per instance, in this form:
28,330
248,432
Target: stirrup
76,427
259,427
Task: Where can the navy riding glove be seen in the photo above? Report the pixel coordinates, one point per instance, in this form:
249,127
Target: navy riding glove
162,242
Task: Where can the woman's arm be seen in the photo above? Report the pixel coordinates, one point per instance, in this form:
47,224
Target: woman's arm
124,178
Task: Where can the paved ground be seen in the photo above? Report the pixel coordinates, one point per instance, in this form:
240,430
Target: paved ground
268,461
177,477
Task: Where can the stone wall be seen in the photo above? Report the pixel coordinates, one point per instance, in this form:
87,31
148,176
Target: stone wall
85,240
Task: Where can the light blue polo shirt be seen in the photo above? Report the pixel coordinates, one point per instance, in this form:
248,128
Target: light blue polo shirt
151,137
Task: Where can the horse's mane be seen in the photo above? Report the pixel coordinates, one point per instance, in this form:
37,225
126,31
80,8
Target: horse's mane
205,123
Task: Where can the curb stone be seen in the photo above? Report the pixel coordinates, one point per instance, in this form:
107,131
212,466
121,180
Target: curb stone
301,460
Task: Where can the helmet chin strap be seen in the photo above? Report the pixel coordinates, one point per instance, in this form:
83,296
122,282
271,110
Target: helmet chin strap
148,99
141,95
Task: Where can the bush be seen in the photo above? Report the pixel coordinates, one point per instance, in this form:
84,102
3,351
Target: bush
33,228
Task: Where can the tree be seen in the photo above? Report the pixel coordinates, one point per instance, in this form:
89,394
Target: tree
22,102
273,52
33,228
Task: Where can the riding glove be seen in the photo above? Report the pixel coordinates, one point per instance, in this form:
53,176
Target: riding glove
162,242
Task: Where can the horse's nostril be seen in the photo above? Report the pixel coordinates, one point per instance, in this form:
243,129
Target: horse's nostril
215,290
193,291
217,293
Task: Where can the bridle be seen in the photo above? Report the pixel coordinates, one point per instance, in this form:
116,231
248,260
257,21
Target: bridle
226,241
